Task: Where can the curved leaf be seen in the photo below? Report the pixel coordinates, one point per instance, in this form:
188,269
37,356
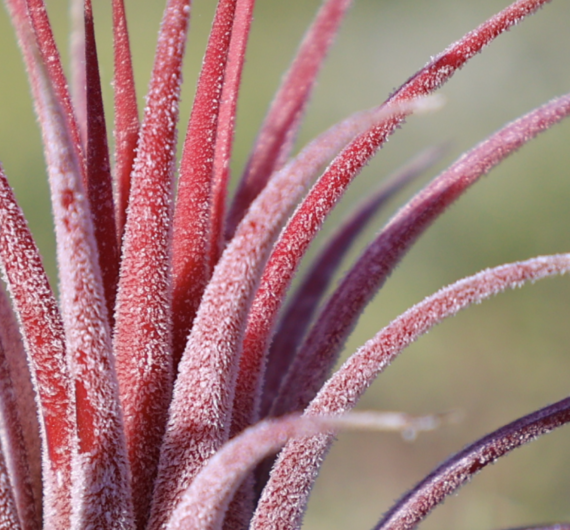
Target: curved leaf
43,335
199,421
24,396
460,468
307,220
300,310
320,350
13,457
284,498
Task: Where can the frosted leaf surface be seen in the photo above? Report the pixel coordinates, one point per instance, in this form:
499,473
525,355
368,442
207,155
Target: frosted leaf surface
32,25
200,421
297,466
285,256
204,503
142,341
85,321
126,113
8,514
192,237
99,187
226,123
14,455
25,398
321,347
43,335
303,304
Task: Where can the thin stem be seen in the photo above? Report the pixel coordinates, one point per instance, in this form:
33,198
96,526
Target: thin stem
460,468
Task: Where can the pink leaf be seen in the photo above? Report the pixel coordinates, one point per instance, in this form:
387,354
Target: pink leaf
204,503
279,129
142,342
301,308
87,331
284,497
25,398
9,520
32,26
307,220
320,350
211,356
206,500
248,387
14,457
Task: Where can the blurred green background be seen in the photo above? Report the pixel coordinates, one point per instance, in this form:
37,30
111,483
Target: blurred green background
495,361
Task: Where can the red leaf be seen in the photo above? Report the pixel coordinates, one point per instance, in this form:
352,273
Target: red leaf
307,220
279,129
14,471
32,25
142,341
226,123
126,113
300,310
191,266
87,330
99,185
42,331
460,468
24,395
199,421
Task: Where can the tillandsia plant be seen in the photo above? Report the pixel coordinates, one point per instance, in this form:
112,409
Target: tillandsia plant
152,393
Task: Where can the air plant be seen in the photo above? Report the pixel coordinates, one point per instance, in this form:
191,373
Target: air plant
150,393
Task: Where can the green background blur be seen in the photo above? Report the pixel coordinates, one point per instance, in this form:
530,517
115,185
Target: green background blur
496,361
